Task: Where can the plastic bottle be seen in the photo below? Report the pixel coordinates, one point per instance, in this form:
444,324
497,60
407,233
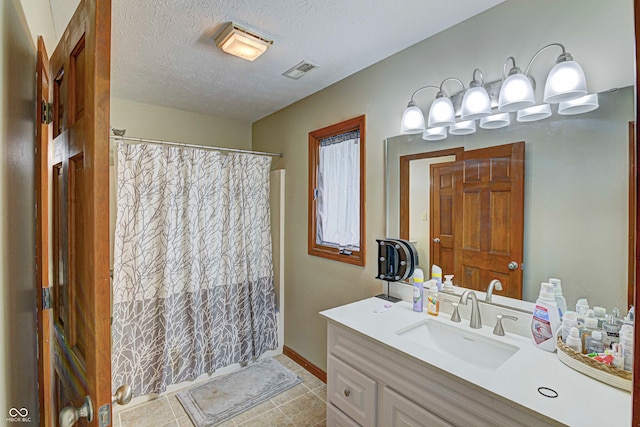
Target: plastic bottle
433,303
612,328
436,274
582,307
574,341
418,290
568,321
546,319
626,340
590,325
561,302
448,281
593,343
600,313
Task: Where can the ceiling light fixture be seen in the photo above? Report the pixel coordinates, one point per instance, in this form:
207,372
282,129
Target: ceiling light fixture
476,102
240,42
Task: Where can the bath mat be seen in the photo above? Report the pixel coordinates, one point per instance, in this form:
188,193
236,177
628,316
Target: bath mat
222,398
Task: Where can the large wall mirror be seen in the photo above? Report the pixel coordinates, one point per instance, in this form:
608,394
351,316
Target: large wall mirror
575,196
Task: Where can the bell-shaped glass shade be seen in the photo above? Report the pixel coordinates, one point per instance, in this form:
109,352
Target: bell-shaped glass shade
435,134
475,104
412,120
537,112
516,93
463,128
441,113
565,81
581,105
495,121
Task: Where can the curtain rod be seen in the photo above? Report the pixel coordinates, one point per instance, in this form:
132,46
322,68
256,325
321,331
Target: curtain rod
197,146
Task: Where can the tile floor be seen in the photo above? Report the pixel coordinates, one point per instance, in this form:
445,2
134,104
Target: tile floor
301,406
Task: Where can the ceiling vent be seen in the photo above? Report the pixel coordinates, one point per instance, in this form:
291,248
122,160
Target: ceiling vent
299,70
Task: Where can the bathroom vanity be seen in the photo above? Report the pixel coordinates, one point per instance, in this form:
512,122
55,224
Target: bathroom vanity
400,367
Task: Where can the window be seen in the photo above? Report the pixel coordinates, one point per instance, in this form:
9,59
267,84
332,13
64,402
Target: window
336,191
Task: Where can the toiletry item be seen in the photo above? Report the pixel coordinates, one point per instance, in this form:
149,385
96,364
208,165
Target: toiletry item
433,303
418,289
448,281
545,320
574,341
569,320
611,329
560,300
600,313
436,274
590,325
626,341
382,309
593,343
582,306
618,361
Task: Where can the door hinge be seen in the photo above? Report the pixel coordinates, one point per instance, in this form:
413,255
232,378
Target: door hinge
47,303
47,112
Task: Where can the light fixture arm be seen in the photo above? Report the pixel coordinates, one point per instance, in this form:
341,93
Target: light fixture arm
563,57
504,66
474,81
442,92
422,88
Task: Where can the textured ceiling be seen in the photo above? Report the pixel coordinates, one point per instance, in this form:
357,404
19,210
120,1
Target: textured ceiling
163,51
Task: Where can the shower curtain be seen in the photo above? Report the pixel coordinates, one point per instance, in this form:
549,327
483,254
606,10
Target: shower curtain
193,277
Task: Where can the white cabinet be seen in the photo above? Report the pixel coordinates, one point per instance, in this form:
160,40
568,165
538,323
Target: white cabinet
370,384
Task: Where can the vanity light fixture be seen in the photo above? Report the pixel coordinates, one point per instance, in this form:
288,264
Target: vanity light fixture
517,90
412,118
495,121
580,105
435,134
442,112
532,114
465,127
476,102
243,43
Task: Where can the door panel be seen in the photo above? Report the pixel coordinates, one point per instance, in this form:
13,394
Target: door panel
78,171
444,201
493,217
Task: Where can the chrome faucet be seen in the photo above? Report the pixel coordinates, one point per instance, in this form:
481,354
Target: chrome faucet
494,284
475,322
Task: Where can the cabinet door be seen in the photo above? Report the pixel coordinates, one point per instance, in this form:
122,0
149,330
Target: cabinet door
337,418
352,392
398,411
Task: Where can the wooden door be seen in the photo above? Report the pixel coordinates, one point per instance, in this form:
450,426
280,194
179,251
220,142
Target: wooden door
445,199
493,218
74,158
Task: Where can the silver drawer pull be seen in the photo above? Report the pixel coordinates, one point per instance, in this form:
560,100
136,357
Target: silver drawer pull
347,392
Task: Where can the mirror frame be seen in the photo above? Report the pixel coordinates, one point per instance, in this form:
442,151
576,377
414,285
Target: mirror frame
636,331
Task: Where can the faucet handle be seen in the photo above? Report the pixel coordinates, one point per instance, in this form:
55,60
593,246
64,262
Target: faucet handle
499,330
455,316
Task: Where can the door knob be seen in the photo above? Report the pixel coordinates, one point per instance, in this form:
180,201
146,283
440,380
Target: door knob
436,240
70,415
123,395
512,265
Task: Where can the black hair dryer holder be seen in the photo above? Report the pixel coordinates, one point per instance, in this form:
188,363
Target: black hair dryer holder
397,259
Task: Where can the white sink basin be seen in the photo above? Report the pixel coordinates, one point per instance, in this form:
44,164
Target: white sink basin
459,342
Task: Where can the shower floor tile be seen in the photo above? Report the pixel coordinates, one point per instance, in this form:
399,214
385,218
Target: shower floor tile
302,405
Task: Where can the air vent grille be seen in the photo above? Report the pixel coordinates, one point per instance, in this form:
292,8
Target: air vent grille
299,70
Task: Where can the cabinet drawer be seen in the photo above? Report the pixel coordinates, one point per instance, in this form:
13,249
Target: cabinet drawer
336,418
352,392
397,410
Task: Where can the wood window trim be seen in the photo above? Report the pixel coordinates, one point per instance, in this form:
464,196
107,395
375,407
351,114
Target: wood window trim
356,257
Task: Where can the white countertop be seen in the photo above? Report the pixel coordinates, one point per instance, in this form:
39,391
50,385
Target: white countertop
582,401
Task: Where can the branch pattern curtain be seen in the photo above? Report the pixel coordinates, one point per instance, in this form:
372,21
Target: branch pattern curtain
193,277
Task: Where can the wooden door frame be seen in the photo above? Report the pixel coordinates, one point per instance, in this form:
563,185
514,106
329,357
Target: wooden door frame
404,181
636,338
456,225
44,321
